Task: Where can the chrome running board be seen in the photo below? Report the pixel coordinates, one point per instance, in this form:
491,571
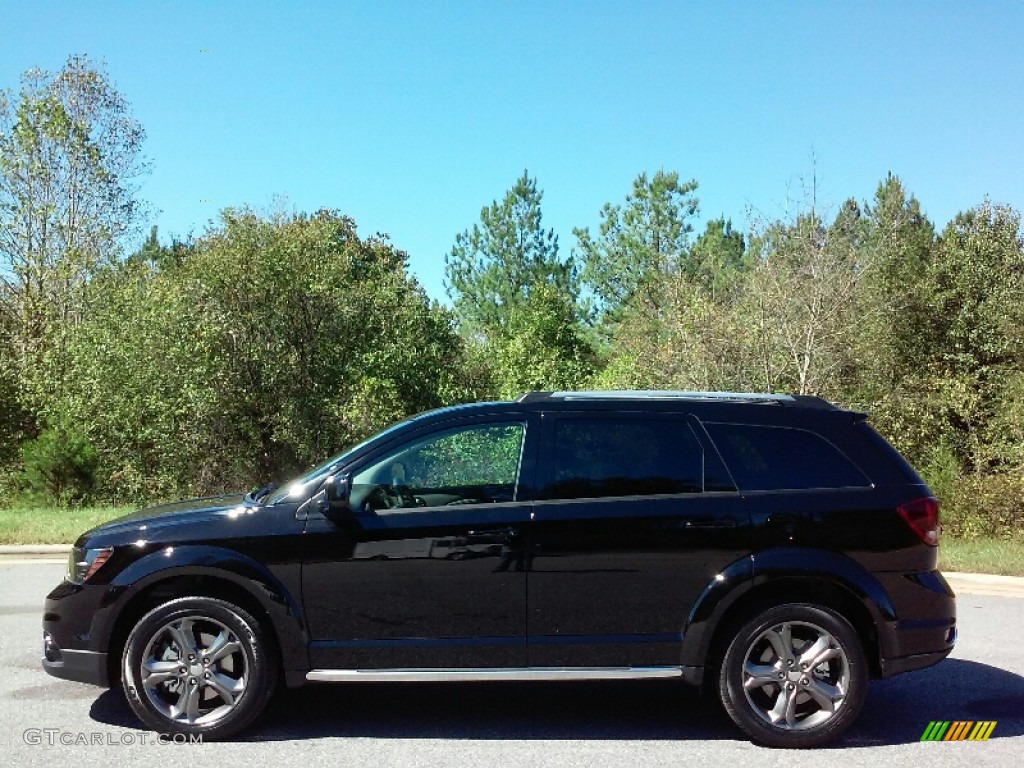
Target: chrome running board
485,673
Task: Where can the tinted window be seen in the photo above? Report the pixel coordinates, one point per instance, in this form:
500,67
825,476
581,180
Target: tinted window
624,457
780,458
471,465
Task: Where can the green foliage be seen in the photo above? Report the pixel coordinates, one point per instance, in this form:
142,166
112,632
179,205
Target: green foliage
985,506
494,267
272,341
59,466
52,525
13,418
718,258
958,358
484,456
69,160
258,350
640,243
543,347
517,301
800,295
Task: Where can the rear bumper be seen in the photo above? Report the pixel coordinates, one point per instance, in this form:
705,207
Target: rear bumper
902,664
925,632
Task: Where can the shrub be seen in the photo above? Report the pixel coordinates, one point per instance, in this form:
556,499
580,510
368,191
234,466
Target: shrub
59,466
985,506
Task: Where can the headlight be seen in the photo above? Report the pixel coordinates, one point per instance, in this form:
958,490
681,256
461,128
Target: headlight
83,563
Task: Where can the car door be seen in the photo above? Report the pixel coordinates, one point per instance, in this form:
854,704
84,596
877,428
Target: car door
427,572
635,516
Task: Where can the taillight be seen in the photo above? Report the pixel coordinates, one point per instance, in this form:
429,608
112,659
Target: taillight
922,515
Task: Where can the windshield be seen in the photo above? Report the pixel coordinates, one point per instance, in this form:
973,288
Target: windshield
301,487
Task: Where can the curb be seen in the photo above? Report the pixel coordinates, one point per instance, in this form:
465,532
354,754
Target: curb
985,584
33,550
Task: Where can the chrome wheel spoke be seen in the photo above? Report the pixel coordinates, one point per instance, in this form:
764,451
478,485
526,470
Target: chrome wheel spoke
192,703
799,699
218,642
826,655
226,687
816,648
223,645
791,708
758,675
178,708
184,637
156,672
782,712
206,680
826,695
781,642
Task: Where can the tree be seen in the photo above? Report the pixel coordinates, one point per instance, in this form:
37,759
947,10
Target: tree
975,284
269,344
543,347
495,266
517,300
800,301
896,252
69,158
896,328
639,244
717,257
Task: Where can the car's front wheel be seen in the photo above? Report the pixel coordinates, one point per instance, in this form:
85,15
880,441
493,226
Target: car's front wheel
198,666
794,675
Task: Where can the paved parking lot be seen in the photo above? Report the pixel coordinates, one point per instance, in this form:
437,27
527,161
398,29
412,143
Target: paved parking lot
44,721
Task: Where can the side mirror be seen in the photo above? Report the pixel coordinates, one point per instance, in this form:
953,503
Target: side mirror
335,505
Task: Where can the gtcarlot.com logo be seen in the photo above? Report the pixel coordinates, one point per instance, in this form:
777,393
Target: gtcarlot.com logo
958,730
61,737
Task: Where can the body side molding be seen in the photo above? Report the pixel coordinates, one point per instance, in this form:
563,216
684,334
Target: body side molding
469,674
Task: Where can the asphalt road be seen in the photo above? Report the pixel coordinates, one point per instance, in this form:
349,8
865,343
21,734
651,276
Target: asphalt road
45,721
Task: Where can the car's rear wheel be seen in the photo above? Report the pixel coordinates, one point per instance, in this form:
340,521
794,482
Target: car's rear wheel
794,676
198,666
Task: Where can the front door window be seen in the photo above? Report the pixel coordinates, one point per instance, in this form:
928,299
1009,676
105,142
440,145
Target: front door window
470,465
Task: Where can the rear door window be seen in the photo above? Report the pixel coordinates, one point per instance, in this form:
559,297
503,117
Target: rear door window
615,457
765,458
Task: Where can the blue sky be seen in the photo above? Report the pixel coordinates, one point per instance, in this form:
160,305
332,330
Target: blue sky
410,116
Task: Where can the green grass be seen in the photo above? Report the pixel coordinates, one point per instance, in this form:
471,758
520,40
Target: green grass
982,556
62,526
52,526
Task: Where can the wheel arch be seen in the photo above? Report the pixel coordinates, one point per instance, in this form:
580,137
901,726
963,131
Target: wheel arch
828,579
146,587
794,589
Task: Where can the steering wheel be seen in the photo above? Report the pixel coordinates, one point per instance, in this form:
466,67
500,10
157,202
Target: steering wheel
393,496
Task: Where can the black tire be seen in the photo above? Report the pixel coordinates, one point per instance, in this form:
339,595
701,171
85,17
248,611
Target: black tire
215,691
800,708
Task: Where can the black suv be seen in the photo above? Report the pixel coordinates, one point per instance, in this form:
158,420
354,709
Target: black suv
773,548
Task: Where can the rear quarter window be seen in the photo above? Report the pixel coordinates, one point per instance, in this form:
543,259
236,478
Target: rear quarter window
765,458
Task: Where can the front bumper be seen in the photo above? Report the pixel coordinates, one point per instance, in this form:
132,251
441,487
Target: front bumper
73,648
81,666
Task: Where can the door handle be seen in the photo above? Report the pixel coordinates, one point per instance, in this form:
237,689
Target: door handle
787,522
709,522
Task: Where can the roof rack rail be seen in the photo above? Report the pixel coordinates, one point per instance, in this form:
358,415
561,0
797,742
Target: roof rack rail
805,401
533,397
